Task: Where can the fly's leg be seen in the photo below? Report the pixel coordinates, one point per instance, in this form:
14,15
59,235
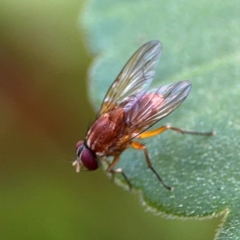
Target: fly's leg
111,169
157,131
167,127
140,146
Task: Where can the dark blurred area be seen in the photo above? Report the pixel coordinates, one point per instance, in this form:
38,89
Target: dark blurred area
44,111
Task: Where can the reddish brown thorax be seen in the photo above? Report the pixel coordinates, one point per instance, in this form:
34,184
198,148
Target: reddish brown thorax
105,132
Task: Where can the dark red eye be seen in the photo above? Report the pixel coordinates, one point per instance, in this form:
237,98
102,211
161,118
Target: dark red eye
88,159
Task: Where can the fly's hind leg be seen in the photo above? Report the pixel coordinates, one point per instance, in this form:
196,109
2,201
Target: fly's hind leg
140,146
157,131
168,127
111,169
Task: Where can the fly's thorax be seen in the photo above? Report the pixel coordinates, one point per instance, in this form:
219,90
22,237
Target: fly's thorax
105,132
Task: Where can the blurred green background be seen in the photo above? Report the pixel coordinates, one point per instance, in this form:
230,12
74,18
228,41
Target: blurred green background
44,111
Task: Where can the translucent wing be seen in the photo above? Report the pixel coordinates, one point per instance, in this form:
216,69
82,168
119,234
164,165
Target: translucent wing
136,75
154,105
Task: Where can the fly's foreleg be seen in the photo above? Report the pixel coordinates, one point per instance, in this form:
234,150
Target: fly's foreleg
111,169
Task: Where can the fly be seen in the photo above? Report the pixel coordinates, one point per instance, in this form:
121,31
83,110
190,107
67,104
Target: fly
128,110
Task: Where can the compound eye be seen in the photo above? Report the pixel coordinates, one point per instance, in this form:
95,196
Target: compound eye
79,148
89,160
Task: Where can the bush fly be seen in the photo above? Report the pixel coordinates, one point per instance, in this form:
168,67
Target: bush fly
128,110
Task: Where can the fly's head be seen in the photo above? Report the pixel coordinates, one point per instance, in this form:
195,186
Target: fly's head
85,157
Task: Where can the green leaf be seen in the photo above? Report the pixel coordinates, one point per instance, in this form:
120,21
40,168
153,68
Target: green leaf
201,43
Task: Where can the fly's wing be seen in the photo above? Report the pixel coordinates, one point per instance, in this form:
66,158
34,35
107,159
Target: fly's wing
136,76
155,105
